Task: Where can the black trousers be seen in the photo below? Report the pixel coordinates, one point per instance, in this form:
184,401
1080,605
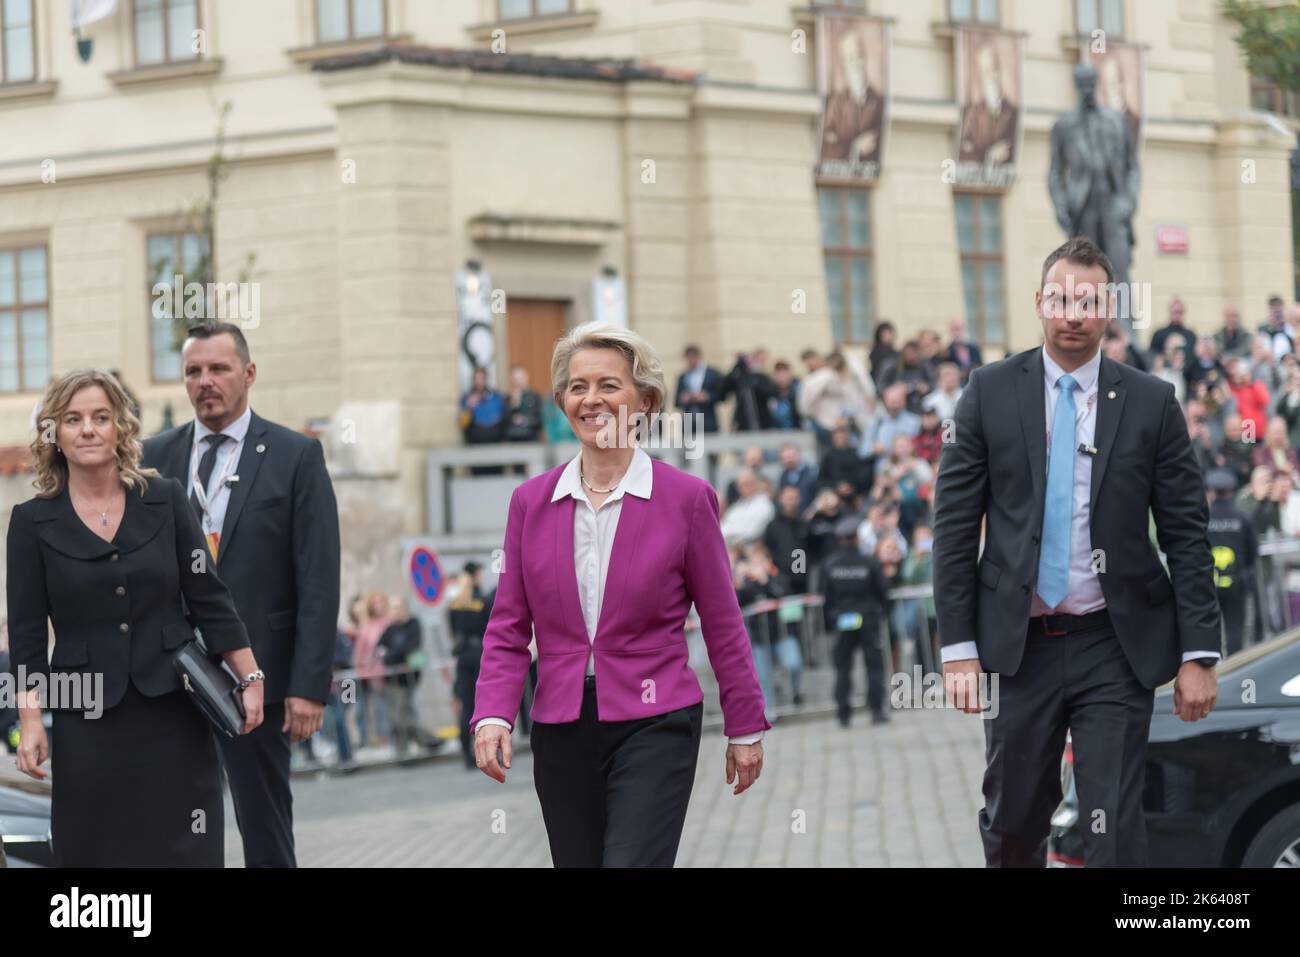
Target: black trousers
467,667
257,768
1083,682
525,720
1232,603
868,639
614,793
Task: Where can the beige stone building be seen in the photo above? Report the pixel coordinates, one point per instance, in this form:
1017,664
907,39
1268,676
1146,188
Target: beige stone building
373,147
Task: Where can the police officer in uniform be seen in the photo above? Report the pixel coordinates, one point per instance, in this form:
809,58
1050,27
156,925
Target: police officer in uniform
468,615
1235,548
857,598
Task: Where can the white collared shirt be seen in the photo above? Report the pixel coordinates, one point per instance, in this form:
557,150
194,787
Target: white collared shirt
1085,594
227,458
593,533
593,543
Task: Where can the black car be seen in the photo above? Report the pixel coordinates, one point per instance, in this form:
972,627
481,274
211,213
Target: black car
1223,791
25,822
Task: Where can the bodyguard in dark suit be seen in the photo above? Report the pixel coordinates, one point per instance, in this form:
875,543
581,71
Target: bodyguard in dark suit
267,507
1063,452
700,389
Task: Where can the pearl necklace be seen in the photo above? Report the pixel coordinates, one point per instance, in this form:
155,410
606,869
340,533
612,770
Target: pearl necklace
592,488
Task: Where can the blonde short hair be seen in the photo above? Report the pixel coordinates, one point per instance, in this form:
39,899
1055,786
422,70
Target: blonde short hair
49,462
647,370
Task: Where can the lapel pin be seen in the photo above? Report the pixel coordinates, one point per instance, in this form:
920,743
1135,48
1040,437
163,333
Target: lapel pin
262,448
1109,395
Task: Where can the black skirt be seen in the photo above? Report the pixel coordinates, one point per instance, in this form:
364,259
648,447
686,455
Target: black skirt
139,786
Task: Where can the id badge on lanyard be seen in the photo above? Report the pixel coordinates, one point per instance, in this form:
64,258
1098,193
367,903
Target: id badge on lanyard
1079,416
211,534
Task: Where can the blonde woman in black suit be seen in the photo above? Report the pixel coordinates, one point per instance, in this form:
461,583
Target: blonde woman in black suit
112,556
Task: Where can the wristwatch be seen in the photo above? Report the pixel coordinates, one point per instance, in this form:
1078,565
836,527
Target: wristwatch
1206,662
258,675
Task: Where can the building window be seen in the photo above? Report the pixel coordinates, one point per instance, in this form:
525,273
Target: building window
24,319
846,243
518,9
1104,15
165,31
973,11
339,20
17,41
1268,96
170,255
979,241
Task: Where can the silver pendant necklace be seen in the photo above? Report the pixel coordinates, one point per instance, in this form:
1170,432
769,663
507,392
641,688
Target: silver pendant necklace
103,515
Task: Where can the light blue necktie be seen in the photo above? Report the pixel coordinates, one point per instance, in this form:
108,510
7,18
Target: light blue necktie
1054,558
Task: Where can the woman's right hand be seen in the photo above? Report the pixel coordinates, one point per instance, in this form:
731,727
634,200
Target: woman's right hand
488,739
253,707
33,748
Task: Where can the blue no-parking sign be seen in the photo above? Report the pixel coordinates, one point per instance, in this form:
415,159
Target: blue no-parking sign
426,575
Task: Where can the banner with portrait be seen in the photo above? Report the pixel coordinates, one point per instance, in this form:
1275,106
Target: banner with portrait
853,82
1120,80
990,95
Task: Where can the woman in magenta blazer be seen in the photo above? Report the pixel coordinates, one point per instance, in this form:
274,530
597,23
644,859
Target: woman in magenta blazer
603,557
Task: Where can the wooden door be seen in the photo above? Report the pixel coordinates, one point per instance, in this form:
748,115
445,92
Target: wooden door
532,328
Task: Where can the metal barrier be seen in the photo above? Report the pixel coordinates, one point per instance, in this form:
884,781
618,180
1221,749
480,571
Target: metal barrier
799,617
1275,607
467,511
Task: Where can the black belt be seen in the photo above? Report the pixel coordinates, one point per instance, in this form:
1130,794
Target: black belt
1057,625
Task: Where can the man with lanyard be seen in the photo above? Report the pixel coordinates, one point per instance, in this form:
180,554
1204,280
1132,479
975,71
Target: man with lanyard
267,509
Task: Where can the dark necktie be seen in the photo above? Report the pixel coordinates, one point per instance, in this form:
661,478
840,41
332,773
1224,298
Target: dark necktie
206,463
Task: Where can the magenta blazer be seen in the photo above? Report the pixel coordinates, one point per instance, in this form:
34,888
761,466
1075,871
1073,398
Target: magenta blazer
668,550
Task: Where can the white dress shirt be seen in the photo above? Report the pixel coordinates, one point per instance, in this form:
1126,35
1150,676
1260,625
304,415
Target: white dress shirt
593,543
1085,594
227,459
943,403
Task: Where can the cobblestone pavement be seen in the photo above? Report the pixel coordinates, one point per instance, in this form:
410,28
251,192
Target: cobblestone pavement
902,795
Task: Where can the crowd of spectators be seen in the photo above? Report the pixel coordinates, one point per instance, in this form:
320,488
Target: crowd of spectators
880,431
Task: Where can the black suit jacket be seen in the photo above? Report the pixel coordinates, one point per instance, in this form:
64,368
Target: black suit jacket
90,588
279,551
996,470
712,384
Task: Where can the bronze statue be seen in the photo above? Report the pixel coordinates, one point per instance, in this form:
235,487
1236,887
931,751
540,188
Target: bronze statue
1094,179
